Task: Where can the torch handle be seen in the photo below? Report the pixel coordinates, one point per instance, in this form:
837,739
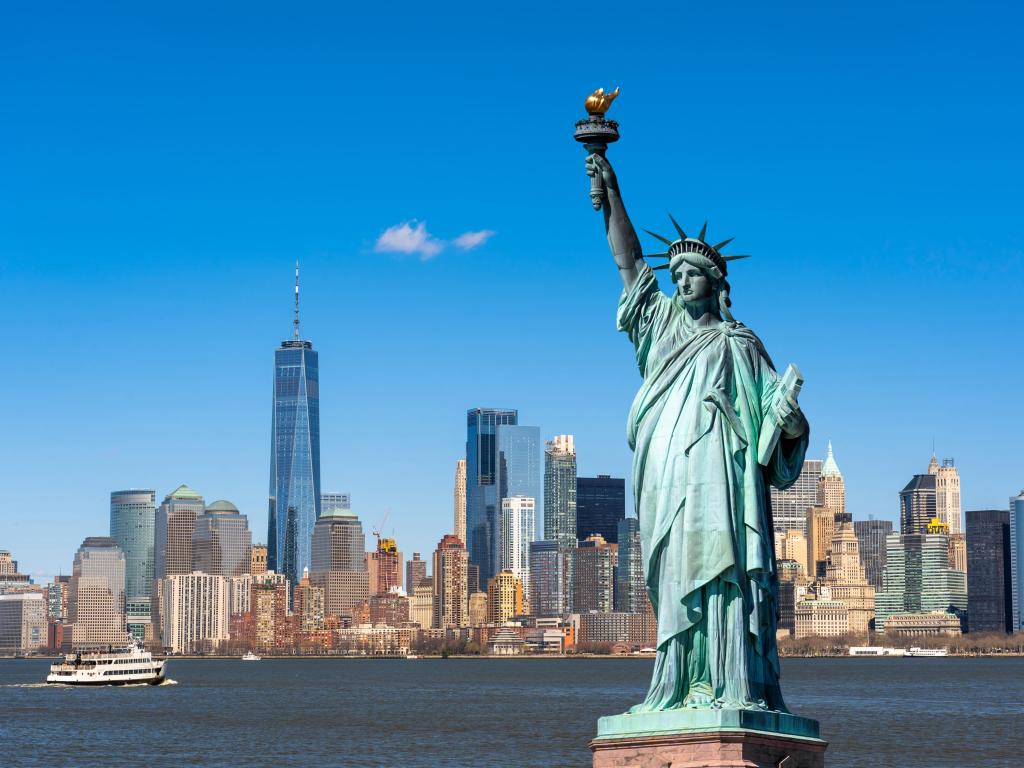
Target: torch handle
597,191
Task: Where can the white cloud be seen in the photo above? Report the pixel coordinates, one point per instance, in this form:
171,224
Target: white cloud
467,241
407,238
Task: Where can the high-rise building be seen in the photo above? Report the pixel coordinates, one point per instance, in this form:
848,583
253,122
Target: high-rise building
1017,560
258,560
630,588
222,541
518,516
600,506
459,499
8,565
593,569
958,552
918,578
845,578
560,491
483,502
308,605
132,526
97,604
519,471
792,545
451,592
947,493
22,623
989,591
415,572
195,612
295,454
550,584
339,564
504,597
57,595
384,566
477,608
831,487
789,507
175,525
421,603
821,525
917,504
871,535
335,501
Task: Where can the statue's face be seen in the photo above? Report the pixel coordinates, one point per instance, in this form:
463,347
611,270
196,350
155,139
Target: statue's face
694,284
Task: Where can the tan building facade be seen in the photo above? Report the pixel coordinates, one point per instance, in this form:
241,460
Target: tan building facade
258,562
947,494
821,618
459,499
845,579
451,583
504,597
821,525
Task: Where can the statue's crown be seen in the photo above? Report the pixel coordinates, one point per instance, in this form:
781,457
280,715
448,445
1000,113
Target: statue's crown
677,249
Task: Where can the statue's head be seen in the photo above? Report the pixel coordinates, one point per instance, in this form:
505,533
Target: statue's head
698,269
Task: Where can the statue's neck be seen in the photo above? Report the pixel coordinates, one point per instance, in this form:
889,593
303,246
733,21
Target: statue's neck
703,313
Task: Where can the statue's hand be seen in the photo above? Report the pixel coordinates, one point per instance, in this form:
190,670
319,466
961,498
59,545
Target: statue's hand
596,164
790,418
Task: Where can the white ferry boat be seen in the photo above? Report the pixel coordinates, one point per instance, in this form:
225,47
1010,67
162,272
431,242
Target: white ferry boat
129,665
926,652
250,656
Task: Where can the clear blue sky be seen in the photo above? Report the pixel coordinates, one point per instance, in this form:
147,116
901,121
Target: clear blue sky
161,171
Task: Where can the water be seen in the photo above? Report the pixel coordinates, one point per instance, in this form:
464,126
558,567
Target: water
515,712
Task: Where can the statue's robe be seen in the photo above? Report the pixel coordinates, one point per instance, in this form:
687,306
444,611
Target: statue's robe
703,502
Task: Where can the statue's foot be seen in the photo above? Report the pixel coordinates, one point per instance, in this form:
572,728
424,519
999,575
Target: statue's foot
699,697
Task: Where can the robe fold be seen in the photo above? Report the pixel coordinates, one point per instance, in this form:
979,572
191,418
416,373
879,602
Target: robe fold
703,502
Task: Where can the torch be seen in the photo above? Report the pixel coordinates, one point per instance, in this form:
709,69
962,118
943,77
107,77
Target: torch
595,134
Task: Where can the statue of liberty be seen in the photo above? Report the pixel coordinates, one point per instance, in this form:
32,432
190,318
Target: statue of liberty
712,427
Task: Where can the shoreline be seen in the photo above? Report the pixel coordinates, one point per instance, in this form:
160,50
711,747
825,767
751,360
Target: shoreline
522,657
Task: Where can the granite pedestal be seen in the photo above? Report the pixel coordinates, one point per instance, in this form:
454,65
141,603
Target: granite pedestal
715,738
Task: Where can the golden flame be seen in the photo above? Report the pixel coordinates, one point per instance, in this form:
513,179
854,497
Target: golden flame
598,102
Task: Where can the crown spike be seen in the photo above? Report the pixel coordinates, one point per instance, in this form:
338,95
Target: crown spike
703,231
664,255
723,243
738,256
665,240
682,235
661,266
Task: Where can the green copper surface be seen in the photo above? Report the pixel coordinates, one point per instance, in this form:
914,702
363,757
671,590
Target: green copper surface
697,720
701,479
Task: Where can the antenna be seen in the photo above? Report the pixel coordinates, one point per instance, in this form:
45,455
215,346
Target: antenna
296,299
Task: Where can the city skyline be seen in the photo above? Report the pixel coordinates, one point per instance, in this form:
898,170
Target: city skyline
847,177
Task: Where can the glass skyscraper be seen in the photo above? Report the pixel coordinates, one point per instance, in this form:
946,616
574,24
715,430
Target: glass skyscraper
1017,561
132,520
294,455
600,506
519,473
483,502
560,491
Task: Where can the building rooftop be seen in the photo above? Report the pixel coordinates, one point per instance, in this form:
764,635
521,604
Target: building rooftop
830,468
184,492
222,507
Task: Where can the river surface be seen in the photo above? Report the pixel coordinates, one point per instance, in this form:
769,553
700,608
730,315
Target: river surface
484,712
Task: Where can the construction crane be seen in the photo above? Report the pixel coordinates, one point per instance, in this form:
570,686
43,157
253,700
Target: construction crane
380,526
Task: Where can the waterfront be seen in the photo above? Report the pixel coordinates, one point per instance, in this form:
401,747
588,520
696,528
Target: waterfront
463,712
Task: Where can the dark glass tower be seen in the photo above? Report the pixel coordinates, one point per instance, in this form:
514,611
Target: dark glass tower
483,502
294,454
600,505
989,589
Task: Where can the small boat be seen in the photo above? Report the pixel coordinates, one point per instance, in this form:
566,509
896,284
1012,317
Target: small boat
250,656
927,652
412,656
131,665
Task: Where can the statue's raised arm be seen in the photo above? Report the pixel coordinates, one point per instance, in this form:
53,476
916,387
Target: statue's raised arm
622,237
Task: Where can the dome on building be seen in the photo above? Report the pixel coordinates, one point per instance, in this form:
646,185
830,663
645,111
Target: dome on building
223,507
830,468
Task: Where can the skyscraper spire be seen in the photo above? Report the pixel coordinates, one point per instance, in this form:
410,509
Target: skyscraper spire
296,299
